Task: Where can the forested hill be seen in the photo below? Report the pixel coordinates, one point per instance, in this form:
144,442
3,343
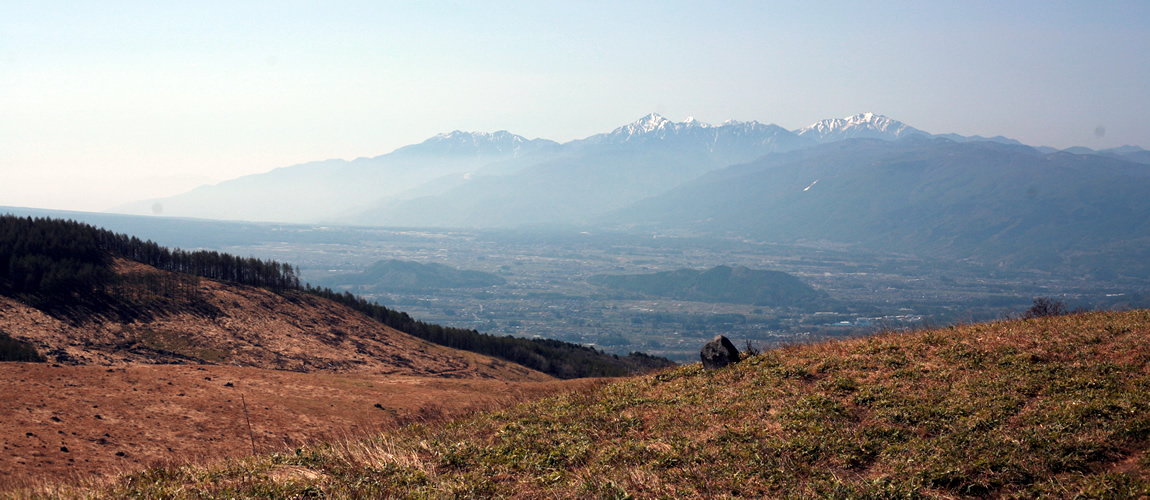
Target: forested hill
738,285
393,274
62,267
48,261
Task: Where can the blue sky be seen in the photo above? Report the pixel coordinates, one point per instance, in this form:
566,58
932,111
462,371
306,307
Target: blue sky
101,105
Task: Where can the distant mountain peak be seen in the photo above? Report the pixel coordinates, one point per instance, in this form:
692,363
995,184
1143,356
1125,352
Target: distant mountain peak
649,123
478,136
869,125
691,122
474,143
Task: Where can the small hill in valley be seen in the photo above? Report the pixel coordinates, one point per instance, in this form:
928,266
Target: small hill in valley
1051,407
401,275
737,285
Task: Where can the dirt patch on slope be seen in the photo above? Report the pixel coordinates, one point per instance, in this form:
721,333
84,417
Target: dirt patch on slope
67,423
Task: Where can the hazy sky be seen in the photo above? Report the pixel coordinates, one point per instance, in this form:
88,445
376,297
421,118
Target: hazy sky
107,102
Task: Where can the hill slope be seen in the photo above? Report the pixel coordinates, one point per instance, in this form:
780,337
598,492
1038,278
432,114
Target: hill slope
1052,407
241,325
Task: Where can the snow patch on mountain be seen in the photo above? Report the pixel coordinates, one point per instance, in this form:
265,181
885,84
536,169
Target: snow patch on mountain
480,144
655,127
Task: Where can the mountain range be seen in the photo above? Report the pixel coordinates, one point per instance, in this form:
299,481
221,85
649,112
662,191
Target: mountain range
864,180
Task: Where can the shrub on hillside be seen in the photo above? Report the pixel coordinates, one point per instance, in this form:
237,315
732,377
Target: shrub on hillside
16,350
1046,306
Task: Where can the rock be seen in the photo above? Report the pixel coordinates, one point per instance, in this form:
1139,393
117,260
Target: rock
719,352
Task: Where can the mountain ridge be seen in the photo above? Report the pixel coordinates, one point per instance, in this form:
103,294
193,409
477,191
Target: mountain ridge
998,204
499,179
309,191
580,179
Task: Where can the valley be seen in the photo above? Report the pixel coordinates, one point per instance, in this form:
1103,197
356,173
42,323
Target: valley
547,293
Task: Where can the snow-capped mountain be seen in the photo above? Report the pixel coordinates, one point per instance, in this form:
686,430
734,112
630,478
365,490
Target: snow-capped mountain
652,126
863,125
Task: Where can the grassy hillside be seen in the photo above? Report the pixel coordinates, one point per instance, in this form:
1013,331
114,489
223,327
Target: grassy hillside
1054,407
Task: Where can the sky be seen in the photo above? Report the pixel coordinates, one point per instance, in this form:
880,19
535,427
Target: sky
102,103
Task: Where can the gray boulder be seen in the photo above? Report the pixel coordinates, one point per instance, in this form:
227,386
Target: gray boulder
719,352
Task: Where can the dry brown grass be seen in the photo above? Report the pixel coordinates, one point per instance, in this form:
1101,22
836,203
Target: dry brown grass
1050,407
168,415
